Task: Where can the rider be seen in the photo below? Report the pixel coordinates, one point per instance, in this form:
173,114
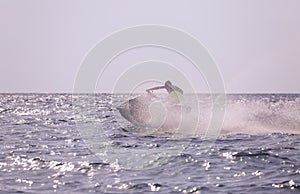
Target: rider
175,93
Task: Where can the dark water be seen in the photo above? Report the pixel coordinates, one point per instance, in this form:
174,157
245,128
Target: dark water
50,145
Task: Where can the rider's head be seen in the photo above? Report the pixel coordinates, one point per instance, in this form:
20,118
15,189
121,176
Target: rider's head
168,83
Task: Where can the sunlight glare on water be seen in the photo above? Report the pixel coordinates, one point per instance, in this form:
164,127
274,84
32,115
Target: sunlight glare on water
42,151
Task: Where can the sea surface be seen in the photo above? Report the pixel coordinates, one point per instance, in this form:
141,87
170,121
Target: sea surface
79,143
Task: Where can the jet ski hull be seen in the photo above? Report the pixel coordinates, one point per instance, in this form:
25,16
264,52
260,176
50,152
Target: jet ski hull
149,111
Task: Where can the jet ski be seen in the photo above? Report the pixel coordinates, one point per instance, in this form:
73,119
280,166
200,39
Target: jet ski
153,112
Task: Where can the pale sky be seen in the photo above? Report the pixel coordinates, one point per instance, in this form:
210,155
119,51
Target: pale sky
255,43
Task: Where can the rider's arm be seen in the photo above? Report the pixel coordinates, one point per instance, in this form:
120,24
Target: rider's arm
155,88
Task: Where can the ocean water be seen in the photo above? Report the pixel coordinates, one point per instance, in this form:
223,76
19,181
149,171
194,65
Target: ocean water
58,143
